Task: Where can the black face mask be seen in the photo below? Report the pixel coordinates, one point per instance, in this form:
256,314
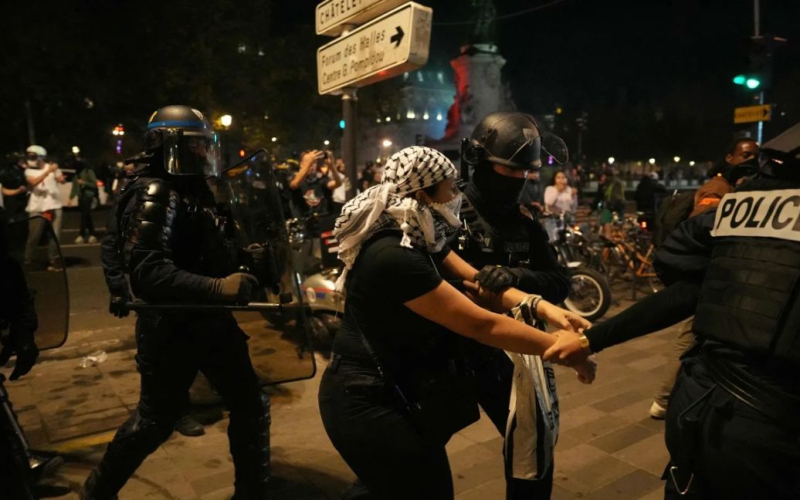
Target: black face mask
493,191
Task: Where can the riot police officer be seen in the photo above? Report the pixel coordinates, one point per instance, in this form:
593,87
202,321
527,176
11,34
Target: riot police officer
511,249
732,426
18,322
165,231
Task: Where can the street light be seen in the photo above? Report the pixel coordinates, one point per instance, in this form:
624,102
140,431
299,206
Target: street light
676,159
611,160
691,164
387,143
327,142
76,150
651,161
226,120
274,139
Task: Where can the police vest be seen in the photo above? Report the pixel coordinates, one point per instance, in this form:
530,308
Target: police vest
749,299
481,244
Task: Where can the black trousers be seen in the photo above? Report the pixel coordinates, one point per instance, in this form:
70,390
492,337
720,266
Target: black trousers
377,439
87,224
170,352
733,450
384,449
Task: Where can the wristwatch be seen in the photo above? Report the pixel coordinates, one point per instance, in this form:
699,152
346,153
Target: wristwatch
584,342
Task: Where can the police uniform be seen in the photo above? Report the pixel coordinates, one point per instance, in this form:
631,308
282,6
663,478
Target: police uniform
164,235
733,420
497,231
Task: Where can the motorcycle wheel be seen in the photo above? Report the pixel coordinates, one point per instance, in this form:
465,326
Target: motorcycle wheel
590,294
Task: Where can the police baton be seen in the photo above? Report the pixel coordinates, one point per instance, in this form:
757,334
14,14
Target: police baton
138,305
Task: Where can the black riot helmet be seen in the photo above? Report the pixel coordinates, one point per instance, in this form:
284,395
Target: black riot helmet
185,140
512,139
780,157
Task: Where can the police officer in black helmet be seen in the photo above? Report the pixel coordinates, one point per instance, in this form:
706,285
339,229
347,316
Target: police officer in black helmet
511,249
164,237
733,421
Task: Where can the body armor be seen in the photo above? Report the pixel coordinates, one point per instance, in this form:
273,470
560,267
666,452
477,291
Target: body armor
750,298
186,227
505,243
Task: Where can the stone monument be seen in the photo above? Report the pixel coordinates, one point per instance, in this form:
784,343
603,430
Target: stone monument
479,88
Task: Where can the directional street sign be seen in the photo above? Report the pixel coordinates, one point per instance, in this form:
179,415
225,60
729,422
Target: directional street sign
762,113
396,42
333,15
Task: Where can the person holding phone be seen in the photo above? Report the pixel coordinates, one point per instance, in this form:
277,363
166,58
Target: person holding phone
314,183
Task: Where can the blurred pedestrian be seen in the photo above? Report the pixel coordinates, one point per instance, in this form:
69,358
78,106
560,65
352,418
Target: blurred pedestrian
532,196
367,177
646,193
611,194
14,190
340,193
84,187
45,201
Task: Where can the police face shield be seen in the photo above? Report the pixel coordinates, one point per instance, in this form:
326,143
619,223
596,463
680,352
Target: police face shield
555,147
191,152
46,278
280,338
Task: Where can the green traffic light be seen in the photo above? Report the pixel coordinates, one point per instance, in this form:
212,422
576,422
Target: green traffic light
752,83
739,79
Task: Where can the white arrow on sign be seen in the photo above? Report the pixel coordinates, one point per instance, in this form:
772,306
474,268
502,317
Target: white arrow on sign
396,42
333,15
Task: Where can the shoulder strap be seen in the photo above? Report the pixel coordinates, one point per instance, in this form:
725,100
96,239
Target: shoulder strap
386,374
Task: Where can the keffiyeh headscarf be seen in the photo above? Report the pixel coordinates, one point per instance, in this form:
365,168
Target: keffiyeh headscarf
388,205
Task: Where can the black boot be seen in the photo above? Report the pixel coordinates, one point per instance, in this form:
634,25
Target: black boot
89,489
189,426
133,442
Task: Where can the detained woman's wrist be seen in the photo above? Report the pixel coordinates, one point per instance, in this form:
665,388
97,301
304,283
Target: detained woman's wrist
532,301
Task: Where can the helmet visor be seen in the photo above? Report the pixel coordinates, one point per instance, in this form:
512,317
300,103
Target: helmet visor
191,152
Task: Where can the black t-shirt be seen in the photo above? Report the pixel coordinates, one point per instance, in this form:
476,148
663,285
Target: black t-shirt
13,177
383,278
313,196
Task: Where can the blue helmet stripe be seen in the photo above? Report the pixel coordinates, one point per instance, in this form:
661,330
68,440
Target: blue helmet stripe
177,123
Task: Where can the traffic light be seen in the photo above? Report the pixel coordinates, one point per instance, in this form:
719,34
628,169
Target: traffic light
759,63
752,82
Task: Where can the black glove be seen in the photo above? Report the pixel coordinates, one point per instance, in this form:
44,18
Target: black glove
117,305
498,278
237,288
26,352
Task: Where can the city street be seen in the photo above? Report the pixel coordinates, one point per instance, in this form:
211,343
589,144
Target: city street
608,448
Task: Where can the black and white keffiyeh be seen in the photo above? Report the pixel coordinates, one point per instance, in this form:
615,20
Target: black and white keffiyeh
407,171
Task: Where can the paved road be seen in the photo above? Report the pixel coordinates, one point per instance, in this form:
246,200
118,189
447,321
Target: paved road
608,448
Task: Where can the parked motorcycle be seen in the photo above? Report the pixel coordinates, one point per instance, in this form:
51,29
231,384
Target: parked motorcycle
318,278
590,293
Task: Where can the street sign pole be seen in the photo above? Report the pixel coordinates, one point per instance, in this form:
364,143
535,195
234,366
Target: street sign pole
349,141
760,134
396,41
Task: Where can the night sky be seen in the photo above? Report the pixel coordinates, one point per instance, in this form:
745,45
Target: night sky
653,76
676,58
